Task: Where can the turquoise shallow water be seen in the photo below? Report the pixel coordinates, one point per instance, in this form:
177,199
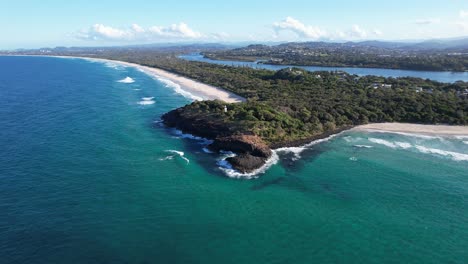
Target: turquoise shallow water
87,176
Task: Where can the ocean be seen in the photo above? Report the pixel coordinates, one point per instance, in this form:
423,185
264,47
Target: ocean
89,175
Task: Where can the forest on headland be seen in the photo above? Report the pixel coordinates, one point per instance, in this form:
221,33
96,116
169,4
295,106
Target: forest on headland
293,104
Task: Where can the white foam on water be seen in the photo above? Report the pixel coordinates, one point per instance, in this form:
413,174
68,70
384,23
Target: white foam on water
176,153
178,89
383,142
127,80
113,65
146,102
405,134
136,89
167,158
362,146
203,141
353,159
465,142
351,139
294,150
298,150
232,173
453,155
403,145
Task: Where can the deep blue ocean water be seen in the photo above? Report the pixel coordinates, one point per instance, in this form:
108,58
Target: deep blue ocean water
88,175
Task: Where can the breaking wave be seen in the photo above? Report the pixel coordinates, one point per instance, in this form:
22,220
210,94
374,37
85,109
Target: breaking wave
362,146
178,89
175,153
232,173
453,155
298,150
126,80
405,134
202,141
456,156
147,101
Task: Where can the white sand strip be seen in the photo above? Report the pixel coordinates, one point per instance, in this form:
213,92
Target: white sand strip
205,91
415,128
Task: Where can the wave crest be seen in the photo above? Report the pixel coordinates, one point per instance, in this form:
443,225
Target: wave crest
454,155
174,154
127,80
178,89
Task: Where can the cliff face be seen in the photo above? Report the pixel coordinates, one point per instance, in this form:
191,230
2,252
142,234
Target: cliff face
251,150
194,124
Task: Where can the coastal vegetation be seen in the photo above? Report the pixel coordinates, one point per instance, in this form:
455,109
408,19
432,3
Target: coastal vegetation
364,54
293,104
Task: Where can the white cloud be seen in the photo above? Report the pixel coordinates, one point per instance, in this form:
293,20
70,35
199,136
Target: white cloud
102,31
180,30
308,32
137,33
427,21
463,14
302,30
137,28
357,32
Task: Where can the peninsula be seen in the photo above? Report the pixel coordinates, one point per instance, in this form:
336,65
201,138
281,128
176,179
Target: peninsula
292,107
257,110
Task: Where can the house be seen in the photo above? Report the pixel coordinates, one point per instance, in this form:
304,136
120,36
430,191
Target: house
381,85
418,89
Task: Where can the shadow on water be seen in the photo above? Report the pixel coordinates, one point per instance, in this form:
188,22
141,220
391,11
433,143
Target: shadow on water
293,178
294,165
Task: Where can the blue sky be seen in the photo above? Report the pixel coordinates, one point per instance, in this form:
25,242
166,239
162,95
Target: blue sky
29,24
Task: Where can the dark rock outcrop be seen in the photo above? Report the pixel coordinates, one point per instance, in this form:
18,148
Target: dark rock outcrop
246,163
251,150
242,144
194,125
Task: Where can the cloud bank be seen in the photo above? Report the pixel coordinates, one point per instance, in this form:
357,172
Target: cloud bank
310,32
136,32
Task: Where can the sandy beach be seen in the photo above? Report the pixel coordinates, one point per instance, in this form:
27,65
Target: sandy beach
415,128
198,89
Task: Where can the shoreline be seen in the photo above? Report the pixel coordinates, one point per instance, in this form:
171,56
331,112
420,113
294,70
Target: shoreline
433,130
198,89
